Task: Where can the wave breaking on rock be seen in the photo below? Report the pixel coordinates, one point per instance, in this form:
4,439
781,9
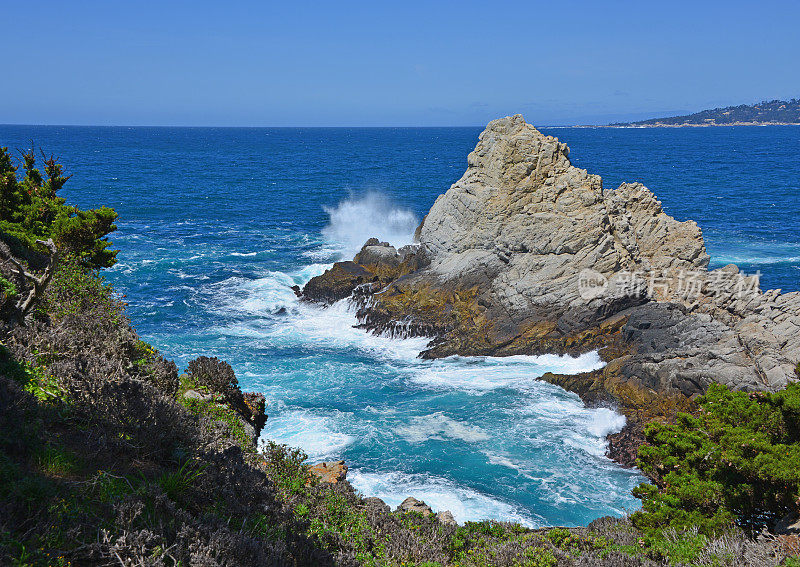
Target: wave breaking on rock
527,254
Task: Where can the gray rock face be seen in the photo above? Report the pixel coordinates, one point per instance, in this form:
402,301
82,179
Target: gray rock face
382,254
523,222
375,253
446,518
411,504
523,226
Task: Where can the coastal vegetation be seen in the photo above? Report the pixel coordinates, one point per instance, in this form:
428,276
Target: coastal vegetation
733,462
32,211
110,456
765,112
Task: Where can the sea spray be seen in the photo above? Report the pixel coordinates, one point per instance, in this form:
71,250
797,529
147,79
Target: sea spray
373,215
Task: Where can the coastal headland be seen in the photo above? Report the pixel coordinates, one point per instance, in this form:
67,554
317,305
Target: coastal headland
527,254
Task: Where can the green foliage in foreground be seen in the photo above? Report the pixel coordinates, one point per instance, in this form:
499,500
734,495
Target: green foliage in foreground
737,461
31,210
75,290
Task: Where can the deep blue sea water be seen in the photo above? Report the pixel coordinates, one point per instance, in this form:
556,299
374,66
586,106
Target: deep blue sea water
216,224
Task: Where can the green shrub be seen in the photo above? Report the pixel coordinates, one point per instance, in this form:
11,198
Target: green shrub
75,290
735,461
175,484
215,376
57,460
539,557
679,547
287,468
31,210
223,414
7,288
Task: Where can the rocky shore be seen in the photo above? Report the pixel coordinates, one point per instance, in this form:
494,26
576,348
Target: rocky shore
527,254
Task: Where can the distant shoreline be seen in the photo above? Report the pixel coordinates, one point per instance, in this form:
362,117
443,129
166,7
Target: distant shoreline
662,125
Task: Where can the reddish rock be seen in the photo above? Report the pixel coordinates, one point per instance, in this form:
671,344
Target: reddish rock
623,447
255,410
331,471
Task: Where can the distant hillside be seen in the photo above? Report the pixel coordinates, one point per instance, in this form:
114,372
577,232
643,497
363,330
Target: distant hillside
766,112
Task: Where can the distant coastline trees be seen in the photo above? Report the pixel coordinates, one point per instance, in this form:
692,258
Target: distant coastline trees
765,112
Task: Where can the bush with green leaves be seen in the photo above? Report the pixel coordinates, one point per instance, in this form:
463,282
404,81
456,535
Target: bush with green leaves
736,462
216,376
31,210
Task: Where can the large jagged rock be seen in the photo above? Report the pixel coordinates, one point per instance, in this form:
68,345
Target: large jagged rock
523,223
527,254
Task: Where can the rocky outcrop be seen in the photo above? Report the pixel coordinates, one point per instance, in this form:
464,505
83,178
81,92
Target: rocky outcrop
411,504
376,265
330,472
527,254
337,282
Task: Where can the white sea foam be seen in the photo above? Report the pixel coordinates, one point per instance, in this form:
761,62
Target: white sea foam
466,504
579,427
504,461
262,296
746,259
327,252
315,433
479,375
439,426
605,421
356,219
334,327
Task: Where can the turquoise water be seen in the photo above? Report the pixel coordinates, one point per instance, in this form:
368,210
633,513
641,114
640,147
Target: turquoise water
216,224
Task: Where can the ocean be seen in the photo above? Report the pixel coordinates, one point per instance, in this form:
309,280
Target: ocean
216,224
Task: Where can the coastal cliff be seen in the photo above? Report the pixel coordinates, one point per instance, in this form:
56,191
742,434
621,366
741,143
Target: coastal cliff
527,254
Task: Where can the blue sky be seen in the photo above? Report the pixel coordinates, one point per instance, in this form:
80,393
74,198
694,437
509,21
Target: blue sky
378,63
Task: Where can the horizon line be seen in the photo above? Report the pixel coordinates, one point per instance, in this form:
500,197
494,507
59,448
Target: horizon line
2,124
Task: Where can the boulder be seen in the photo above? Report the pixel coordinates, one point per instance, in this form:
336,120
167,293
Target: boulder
330,472
446,518
411,504
378,255
336,283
